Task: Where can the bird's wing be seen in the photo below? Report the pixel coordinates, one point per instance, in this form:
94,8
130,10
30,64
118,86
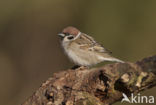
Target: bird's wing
91,45
99,48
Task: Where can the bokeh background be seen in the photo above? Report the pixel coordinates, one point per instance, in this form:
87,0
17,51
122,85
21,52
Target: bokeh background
30,51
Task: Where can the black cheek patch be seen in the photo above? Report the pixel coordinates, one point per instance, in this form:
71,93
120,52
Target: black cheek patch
70,37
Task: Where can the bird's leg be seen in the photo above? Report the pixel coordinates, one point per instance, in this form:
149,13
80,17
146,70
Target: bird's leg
83,67
77,67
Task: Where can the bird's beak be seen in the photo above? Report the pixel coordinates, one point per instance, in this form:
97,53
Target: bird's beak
61,35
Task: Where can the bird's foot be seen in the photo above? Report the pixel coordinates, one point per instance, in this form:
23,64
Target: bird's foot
83,68
77,67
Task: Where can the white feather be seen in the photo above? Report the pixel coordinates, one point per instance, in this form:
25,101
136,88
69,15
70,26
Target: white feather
76,59
110,59
77,35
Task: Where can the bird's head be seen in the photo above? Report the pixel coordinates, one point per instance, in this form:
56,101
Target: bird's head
69,33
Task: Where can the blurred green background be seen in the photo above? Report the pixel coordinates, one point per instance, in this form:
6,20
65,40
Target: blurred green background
30,51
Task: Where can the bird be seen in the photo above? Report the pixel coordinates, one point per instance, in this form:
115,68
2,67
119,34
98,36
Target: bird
82,49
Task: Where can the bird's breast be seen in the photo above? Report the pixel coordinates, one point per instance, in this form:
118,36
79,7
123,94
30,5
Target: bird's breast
82,57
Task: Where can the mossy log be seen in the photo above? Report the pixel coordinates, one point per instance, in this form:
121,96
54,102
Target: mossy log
97,86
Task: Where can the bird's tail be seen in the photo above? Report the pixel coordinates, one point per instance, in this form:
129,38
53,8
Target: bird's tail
114,60
118,60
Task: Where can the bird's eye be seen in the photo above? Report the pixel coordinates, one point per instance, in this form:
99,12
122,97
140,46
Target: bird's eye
66,34
70,37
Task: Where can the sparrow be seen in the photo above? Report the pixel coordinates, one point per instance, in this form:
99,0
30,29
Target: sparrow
82,49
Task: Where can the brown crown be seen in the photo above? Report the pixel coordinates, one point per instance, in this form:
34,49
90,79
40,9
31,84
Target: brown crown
71,30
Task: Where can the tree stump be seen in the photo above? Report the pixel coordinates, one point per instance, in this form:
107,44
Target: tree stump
96,86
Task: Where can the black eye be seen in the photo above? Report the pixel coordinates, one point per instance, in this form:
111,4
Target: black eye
70,37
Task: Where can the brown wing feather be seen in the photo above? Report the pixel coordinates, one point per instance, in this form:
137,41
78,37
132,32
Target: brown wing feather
88,43
99,48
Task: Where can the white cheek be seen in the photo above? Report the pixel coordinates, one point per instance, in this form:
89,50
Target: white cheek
65,43
66,39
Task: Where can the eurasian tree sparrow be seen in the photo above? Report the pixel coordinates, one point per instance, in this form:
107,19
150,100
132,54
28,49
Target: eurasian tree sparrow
82,49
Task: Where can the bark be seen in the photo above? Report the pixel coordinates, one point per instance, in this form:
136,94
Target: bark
97,86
